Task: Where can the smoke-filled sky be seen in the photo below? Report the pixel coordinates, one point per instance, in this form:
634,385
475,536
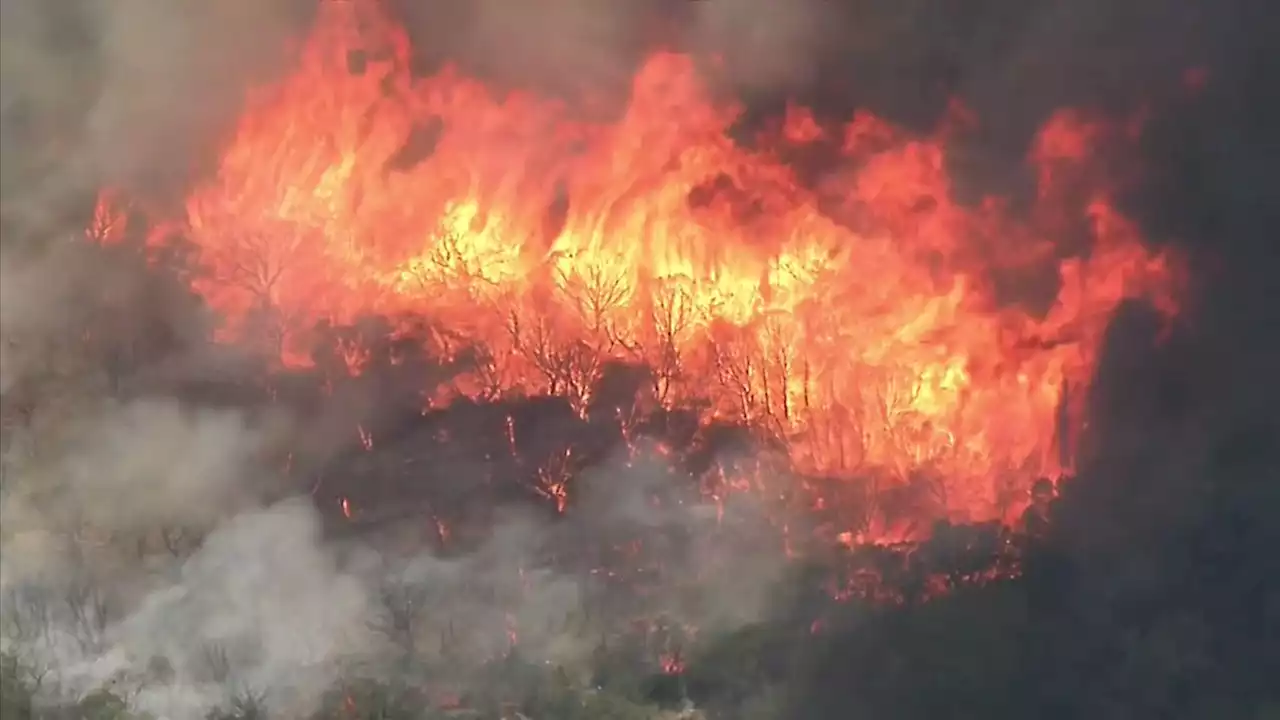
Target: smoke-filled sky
144,83
126,92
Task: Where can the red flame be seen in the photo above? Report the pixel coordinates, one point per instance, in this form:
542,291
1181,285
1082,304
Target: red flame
866,321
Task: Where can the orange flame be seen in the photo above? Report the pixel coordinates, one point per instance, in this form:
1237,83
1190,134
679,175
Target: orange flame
866,320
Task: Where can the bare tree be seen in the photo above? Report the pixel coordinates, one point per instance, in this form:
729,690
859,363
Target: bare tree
570,366
89,614
401,604
672,319
27,617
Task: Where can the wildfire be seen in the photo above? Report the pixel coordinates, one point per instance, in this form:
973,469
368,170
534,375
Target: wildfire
867,320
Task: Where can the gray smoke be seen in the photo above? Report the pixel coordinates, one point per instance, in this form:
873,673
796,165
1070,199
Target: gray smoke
124,93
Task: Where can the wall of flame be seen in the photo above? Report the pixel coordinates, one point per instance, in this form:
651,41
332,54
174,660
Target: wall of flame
865,319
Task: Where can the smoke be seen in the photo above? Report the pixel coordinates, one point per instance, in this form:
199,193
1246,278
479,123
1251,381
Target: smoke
766,46
145,548
105,496
135,553
258,609
579,46
125,93
585,51
176,73
138,556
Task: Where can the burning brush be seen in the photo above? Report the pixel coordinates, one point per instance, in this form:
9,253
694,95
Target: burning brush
910,357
